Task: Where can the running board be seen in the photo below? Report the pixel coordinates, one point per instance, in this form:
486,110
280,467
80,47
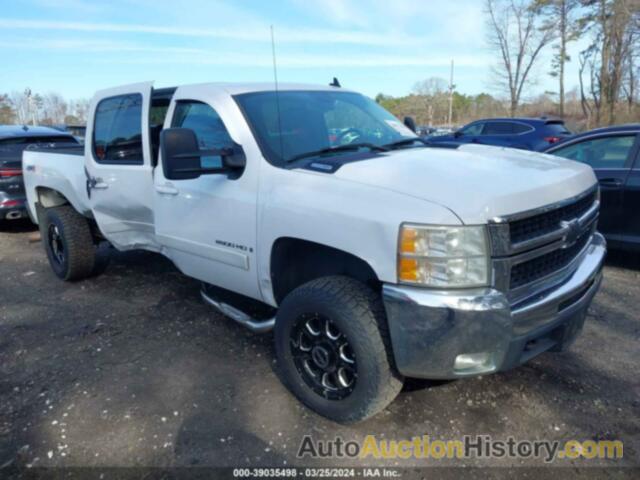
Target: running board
256,326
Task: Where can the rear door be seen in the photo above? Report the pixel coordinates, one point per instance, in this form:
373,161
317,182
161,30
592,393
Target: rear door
119,168
611,156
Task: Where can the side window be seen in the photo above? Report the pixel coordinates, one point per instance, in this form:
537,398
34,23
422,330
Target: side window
521,128
117,130
605,152
498,128
473,129
208,127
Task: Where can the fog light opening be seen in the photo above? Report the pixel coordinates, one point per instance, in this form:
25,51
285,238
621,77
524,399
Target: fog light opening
474,363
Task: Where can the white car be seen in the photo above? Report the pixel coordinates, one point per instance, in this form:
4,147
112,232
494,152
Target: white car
372,255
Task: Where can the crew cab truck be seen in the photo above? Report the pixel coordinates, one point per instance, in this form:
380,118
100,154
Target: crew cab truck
314,212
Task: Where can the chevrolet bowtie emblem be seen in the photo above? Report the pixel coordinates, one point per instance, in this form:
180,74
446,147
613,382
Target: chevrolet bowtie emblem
572,231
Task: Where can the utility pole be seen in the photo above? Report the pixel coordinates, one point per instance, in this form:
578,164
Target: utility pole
30,105
451,87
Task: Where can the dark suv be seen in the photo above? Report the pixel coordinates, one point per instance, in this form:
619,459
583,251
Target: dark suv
14,139
523,133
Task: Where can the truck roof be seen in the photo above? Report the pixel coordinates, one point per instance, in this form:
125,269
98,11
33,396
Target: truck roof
240,88
13,131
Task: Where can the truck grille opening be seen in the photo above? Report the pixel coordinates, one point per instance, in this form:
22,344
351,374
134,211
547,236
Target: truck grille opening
547,222
539,267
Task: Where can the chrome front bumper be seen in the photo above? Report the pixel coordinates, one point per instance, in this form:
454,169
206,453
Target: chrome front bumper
457,333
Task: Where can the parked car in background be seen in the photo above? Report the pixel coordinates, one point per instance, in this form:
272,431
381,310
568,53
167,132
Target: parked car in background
524,133
14,139
614,155
425,131
77,131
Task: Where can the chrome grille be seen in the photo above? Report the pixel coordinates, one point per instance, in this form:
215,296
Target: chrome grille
536,249
537,225
539,267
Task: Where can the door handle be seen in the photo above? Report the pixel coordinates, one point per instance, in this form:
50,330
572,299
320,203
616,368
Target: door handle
99,185
166,189
610,182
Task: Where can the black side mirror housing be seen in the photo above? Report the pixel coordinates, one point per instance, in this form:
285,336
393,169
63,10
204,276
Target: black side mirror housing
181,156
458,134
410,123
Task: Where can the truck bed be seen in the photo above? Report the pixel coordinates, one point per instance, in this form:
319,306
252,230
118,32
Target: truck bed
60,169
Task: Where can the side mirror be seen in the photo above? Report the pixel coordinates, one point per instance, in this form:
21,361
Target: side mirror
181,155
458,134
410,123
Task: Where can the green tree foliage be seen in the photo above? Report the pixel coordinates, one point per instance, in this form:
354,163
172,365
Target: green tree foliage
7,113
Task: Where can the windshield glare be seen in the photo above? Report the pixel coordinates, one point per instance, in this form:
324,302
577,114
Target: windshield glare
314,120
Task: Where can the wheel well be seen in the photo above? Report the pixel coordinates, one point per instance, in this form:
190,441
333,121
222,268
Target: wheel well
48,197
295,262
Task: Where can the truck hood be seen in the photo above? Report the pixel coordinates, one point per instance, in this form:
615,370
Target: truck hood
476,182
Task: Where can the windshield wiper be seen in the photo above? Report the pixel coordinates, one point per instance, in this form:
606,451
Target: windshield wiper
405,142
340,148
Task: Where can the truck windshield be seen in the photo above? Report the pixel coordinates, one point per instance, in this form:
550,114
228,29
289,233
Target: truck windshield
292,124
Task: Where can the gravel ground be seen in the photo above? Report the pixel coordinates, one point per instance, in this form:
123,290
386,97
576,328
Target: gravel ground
132,369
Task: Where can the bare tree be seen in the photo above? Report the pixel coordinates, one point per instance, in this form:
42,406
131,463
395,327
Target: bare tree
7,113
79,109
614,26
54,109
516,32
21,106
561,17
432,94
585,65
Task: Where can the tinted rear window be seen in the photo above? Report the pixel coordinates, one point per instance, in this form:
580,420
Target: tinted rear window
521,128
11,148
557,128
55,140
498,128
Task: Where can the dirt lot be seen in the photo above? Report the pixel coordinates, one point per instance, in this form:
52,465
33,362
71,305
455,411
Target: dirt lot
132,369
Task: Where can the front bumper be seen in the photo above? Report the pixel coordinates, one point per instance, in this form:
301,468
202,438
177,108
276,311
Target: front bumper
457,333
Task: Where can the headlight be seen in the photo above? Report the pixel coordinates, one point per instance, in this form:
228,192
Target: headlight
443,256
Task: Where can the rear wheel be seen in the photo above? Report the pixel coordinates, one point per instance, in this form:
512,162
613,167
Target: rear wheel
334,351
69,243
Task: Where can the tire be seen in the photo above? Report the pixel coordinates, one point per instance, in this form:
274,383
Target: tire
354,312
68,242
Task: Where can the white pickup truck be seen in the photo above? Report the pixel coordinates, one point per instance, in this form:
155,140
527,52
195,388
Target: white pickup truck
312,211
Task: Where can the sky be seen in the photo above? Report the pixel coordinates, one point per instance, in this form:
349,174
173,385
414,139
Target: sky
74,47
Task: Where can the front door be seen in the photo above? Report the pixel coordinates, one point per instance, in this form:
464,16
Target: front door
631,203
119,174
610,156
207,225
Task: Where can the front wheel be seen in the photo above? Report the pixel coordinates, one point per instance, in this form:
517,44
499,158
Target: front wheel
334,351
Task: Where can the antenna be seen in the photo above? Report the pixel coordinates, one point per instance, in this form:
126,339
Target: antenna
275,77
451,87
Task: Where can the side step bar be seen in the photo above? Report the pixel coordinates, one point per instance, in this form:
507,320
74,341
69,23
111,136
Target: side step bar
256,326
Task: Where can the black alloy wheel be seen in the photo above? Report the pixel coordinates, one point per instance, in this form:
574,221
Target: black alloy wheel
323,357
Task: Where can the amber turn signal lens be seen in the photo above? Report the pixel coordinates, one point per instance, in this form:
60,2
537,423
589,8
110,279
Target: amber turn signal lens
408,240
408,269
